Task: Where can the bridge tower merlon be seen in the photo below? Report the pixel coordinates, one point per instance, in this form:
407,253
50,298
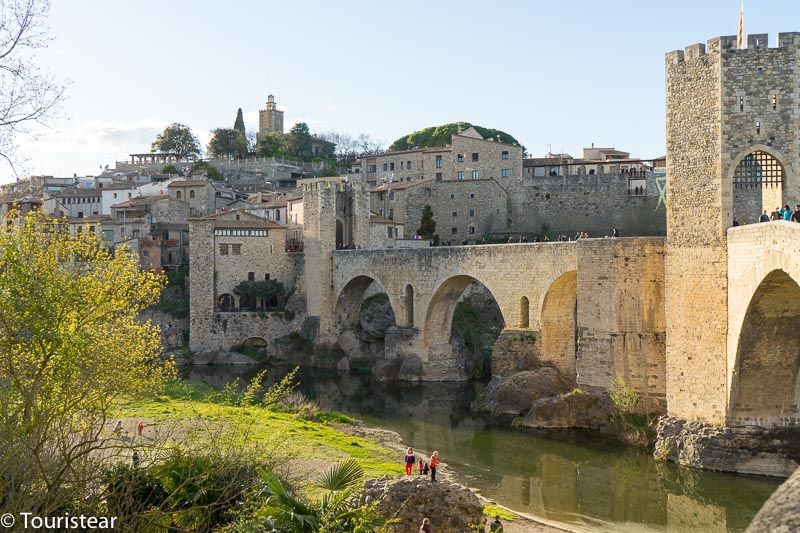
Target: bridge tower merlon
732,145
319,243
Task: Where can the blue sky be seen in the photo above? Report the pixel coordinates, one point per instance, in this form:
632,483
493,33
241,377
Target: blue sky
559,74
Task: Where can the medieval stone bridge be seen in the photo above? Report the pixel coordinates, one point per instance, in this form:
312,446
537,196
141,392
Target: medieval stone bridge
588,307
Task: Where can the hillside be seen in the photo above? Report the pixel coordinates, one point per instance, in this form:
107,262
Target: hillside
440,136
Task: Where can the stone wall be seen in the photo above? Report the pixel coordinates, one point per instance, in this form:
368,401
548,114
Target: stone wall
621,322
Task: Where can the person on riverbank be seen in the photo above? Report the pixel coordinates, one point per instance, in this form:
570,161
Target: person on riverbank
410,461
426,526
117,428
421,466
139,428
426,470
434,464
496,526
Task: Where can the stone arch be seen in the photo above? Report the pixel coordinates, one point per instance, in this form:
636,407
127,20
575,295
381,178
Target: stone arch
226,302
524,313
557,343
348,302
757,178
408,303
254,342
765,389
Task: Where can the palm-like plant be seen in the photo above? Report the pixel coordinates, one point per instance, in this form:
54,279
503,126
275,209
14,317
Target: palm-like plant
339,510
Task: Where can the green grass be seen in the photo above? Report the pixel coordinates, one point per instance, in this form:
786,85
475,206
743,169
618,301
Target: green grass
493,510
182,404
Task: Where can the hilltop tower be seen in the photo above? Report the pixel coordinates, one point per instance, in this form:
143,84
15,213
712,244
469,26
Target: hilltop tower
733,151
270,119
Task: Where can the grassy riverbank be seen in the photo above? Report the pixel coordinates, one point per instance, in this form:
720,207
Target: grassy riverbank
199,412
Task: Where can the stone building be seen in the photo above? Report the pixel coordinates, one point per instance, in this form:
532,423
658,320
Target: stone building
270,119
227,249
468,157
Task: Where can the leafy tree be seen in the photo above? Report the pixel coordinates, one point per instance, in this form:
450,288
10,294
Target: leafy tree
265,289
441,136
238,124
270,144
427,225
28,96
169,169
177,139
211,171
72,347
230,143
298,141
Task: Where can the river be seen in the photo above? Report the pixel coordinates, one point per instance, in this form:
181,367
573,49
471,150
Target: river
577,478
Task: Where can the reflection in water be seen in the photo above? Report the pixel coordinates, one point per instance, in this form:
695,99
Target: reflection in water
575,477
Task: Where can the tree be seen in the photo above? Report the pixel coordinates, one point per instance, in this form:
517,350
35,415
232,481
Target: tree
298,141
349,148
28,95
178,140
169,169
72,347
230,143
266,290
441,136
211,171
270,144
238,124
427,226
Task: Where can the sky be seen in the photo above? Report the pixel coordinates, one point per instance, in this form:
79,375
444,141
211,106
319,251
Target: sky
557,75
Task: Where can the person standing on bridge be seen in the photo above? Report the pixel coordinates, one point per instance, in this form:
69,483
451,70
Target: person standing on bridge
776,215
796,214
786,213
764,217
434,464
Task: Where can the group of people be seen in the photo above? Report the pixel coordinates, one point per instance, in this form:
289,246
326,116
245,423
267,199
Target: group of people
782,213
423,469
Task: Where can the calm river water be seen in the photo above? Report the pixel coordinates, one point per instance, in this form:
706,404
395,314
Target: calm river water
580,479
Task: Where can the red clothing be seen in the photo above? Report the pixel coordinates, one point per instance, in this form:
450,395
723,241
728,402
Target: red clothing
434,462
409,468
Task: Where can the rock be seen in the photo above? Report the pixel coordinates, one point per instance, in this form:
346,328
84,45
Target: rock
405,367
575,409
349,343
514,395
343,365
450,508
747,450
781,513
376,316
411,367
222,358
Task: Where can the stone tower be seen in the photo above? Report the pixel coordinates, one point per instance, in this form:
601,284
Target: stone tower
319,243
733,149
270,119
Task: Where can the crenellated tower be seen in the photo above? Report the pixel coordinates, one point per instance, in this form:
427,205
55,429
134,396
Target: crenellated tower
270,119
733,150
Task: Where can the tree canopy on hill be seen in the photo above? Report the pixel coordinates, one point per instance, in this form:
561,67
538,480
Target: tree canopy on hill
440,136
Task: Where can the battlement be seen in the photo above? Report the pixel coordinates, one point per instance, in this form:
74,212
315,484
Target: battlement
727,43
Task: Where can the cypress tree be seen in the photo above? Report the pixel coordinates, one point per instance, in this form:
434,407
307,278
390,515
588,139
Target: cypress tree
238,125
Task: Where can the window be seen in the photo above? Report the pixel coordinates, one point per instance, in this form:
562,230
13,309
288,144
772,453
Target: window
391,195
391,213
408,165
266,277
129,195
236,249
80,214
472,212
136,234
372,168
178,194
472,195
115,195
460,175
223,249
474,157
741,103
191,194
460,158
278,215
439,161
504,154
774,102
504,172
454,231
385,167
438,176
472,230
251,276
391,166
476,174
401,165
389,231
455,213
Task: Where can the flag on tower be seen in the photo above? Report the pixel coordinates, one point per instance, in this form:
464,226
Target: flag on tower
740,42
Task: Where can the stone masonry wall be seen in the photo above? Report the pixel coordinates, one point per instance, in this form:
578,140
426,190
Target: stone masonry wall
696,258
621,322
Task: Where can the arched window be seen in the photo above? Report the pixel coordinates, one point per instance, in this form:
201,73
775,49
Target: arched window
758,169
409,305
191,194
178,194
524,312
225,302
